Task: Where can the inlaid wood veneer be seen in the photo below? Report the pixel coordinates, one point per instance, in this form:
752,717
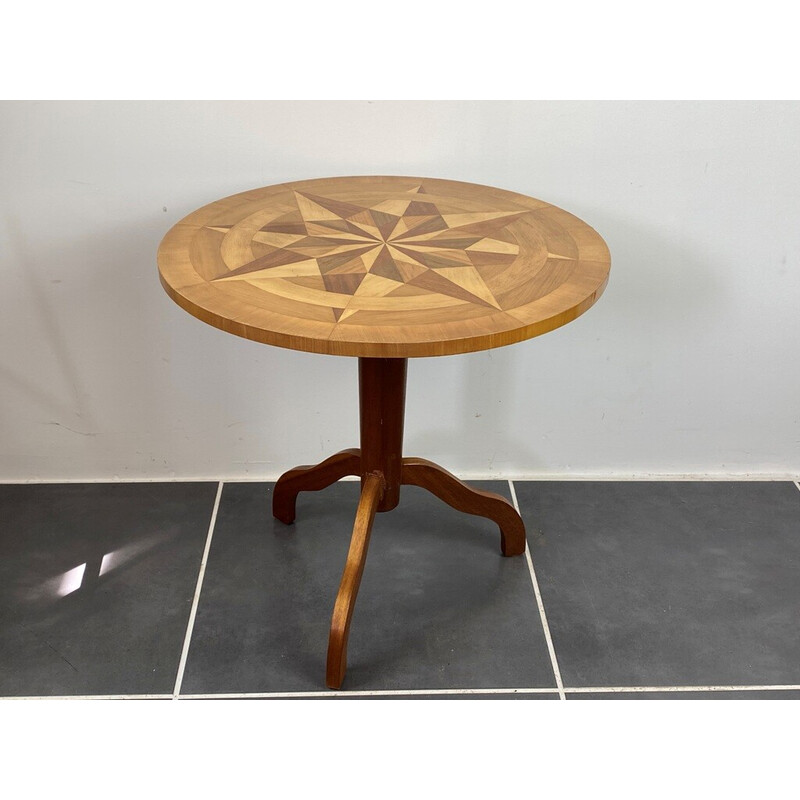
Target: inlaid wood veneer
380,266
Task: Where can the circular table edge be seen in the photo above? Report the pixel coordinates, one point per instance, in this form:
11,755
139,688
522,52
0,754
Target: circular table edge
382,349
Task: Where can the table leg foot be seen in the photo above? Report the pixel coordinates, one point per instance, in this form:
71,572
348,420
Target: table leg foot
311,479
372,489
430,476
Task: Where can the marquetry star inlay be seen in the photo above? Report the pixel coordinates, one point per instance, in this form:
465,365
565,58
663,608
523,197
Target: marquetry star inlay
397,246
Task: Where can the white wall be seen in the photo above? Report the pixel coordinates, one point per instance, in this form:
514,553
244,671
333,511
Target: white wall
687,364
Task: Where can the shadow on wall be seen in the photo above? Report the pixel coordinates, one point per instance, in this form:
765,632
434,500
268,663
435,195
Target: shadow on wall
661,293
476,437
72,402
91,358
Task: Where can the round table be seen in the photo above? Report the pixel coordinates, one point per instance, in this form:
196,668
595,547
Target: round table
383,268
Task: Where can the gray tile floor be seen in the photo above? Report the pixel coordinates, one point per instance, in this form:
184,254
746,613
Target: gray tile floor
629,590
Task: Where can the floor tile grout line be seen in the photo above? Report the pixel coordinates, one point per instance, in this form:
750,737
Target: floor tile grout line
90,697
520,691
546,628
412,692
667,689
196,600
369,693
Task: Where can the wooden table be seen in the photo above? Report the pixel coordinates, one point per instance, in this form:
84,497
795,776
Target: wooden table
383,269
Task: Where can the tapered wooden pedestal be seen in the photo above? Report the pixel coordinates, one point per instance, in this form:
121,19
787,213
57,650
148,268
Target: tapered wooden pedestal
380,464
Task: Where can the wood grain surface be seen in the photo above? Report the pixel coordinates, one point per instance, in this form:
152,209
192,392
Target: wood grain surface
456,493
311,478
351,580
383,266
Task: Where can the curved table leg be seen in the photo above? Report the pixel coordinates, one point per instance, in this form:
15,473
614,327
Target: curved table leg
430,476
310,479
373,486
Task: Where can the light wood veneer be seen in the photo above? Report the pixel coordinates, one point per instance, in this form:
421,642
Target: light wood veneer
383,266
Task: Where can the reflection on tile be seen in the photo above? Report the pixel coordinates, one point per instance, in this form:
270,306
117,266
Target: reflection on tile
96,584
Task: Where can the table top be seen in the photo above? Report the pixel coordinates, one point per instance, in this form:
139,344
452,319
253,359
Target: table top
383,266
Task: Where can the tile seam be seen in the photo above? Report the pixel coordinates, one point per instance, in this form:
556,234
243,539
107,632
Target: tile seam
90,697
196,599
540,604
667,689
371,693
412,692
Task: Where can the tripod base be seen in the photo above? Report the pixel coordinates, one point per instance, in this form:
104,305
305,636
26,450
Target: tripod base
383,470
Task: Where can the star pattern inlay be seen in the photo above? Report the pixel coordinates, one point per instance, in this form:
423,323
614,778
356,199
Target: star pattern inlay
399,245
